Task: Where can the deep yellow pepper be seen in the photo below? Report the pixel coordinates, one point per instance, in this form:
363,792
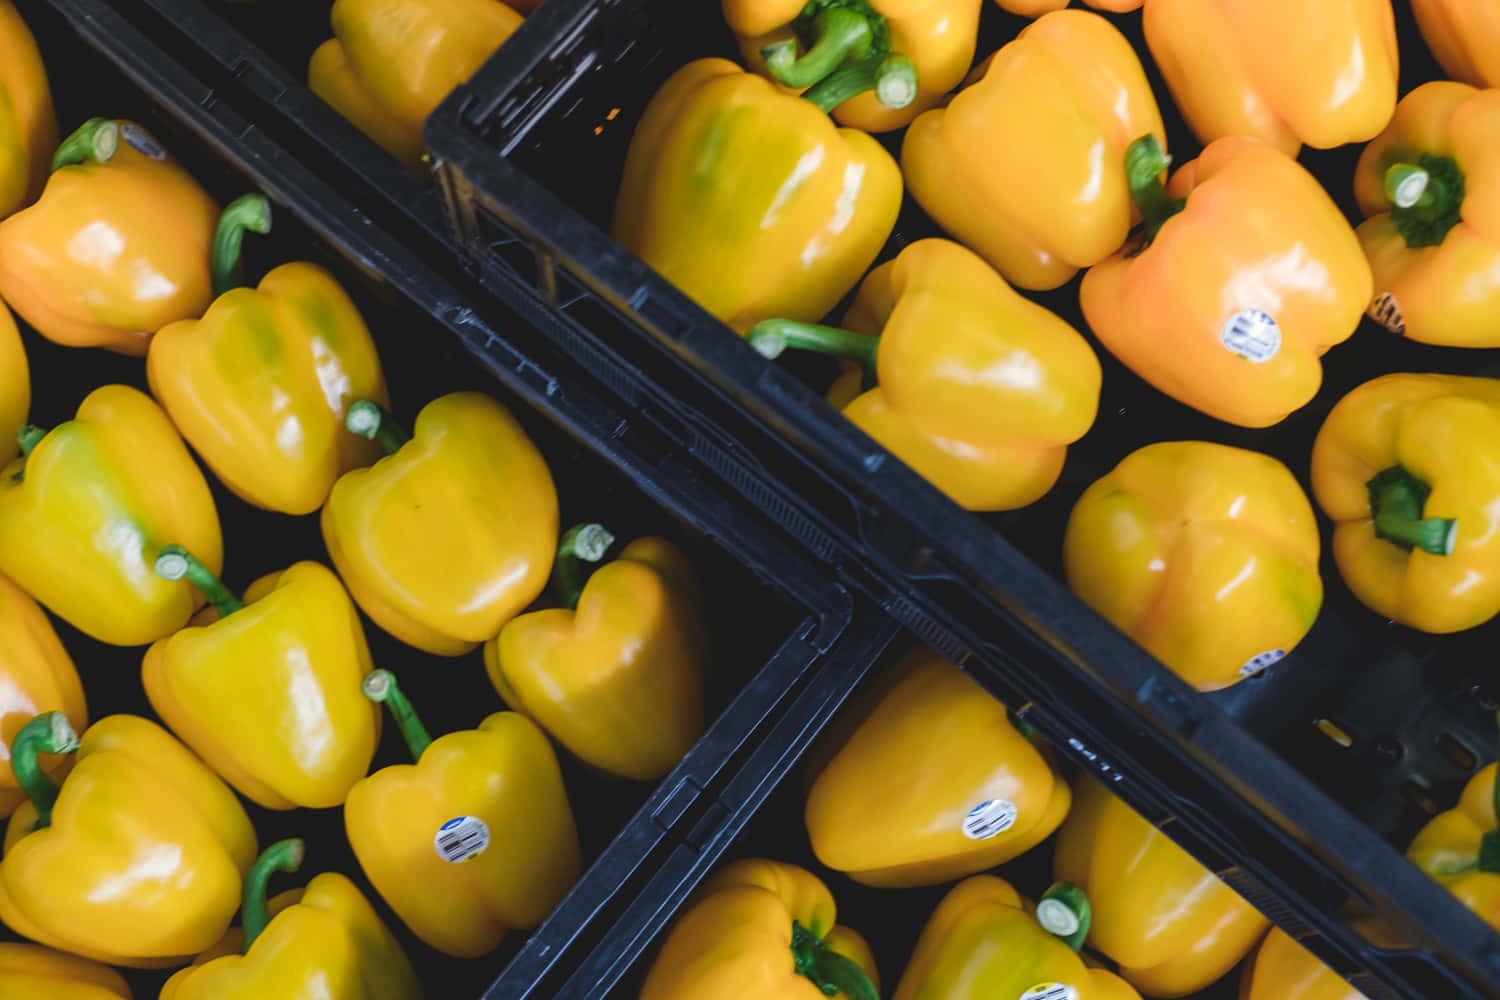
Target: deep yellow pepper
1248,275
450,535
1461,848
750,200
761,930
1464,36
616,674
116,248
1406,466
15,384
1284,970
86,510
261,385
28,127
1204,554
1070,91
1430,188
30,971
1169,922
136,860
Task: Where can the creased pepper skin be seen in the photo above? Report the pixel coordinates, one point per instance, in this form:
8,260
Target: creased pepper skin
101,494
15,385
31,971
718,196
1204,554
1284,970
1070,91
1447,848
28,126
1464,36
1173,927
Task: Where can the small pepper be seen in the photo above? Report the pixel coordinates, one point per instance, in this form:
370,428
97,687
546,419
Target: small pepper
136,859
448,537
1284,970
87,508
116,248
1460,848
750,199
15,385
28,126
28,970
1248,274
1464,36
616,673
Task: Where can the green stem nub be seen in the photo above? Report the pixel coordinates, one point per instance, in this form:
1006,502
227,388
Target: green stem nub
578,554
29,437
1064,910
380,686
1427,198
250,212
95,142
837,35
833,974
1396,501
176,563
848,52
1145,161
368,420
49,732
893,77
282,856
771,337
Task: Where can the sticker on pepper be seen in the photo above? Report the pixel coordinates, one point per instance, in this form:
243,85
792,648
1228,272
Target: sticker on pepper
989,819
1253,335
461,839
1387,312
1261,661
142,141
1050,991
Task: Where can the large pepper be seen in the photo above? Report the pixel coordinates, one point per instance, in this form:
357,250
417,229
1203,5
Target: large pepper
616,673
392,62
261,385
1464,36
963,789
1406,466
1169,922
31,971
750,200
1249,273
86,510
136,859
1071,93
28,127
449,536
15,384
932,327
1430,187
1204,554
1284,970
761,930
116,248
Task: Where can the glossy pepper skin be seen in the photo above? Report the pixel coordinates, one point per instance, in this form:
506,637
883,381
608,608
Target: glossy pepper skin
84,515
1430,188
28,126
15,385
135,795
116,248
1464,36
391,62
1172,926
28,970
1070,91
1233,301
447,538
718,197
1284,970
1461,848
1204,554
616,674
964,790
1404,467
761,930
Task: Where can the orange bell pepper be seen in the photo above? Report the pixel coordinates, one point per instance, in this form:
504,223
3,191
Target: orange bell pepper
28,127
15,386
31,972
1284,970
1464,36
1461,847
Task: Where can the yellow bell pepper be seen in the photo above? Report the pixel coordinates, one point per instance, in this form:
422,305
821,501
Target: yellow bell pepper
136,859
86,509
1204,554
392,62
28,127
931,327
1405,465
984,941
616,674
15,384
1248,274
963,790
750,200
761,930
326,943
1464,36
1284,970
30,971
1460,848
1169,922
116,248
1429,186
1071,93
475,839
261,385
450,535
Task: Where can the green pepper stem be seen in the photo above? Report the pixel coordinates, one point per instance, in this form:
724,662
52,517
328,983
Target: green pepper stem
893,77
175,562
250,212
49,732
282,856
1064,910
95,141
1396,501
771,337
582,543
380,686
368,420
833,974
29,437
1026,729
1427,198
1145,160
838,35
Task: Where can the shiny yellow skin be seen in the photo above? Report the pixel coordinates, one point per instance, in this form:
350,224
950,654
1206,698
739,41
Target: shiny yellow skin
445,541
31,972
15,385
135,794
1204,554
714,197
392,62
28,126
260,386
325,943
1071,93
1284,970
983,941
1169,922
1450,293
102,494
619,682
296,730
1259,232
111,252
938,745
1444,429
1464,36
1447,848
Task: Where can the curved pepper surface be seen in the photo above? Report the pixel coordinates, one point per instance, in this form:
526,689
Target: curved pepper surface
1461,848
15,385
1284,970
1464,36
28,127
28,971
